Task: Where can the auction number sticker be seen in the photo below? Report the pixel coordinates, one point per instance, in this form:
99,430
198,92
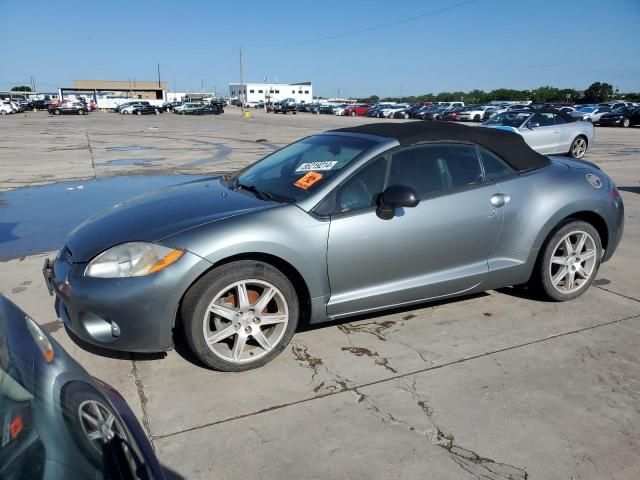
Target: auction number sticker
311,166
308,180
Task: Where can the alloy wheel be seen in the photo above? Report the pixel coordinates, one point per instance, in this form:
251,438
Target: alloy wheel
98,423
578,148
245,321
573,262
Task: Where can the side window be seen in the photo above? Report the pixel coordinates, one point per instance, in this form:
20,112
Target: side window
436,167
559,119
542,119
494,166
362,189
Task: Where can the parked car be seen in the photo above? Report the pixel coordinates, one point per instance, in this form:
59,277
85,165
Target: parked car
590,113
131,107
284,106
142,109
118,108
68,108
489,112
326,109
253,104
169,106
353,220
189,108
211,109
389,112
59,422
621,117
6,109
453,114
547,131
433,112
358,110
407,112
473,114
339,110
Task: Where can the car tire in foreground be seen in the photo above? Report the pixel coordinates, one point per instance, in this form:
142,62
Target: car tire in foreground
626,123
578,147
569,261
240,315
92,421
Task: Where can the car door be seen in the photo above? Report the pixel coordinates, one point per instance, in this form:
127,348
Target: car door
541,133
438,248
566,133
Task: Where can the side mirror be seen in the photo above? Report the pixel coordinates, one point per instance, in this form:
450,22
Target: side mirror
395,196
533,125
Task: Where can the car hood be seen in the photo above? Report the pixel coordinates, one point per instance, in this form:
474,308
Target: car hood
155,215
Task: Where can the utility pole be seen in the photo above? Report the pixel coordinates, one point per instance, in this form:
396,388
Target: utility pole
241,84
159,75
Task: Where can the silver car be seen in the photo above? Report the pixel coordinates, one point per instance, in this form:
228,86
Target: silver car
547,131
590,113
349,221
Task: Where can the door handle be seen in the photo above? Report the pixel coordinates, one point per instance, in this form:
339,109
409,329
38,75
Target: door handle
499,199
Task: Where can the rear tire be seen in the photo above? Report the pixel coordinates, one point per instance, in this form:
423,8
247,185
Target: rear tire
57,112
234,315
353,114
138,112
578,147
626,123
569,261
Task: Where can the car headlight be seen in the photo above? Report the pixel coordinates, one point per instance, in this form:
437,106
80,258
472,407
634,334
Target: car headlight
43,343
133,259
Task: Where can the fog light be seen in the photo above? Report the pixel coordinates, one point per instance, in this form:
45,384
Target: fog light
115,329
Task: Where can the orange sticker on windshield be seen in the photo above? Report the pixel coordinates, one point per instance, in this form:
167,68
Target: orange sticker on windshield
308,180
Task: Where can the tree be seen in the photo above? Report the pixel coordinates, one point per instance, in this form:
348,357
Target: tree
546,94
598,92
21,88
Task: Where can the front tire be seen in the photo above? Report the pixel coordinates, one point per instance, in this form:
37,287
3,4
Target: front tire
569,261
240,316
626,123
57,112
138,112
578,147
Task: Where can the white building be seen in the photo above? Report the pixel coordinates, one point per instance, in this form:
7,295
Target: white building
272,92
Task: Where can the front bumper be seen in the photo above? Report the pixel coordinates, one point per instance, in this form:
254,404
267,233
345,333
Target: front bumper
134,314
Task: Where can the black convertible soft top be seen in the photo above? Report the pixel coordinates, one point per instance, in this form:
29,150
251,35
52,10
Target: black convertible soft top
508,145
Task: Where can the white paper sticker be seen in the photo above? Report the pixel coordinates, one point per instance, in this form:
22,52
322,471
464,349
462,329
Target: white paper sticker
307,167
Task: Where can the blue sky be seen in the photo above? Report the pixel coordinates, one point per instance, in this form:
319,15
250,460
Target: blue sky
484,44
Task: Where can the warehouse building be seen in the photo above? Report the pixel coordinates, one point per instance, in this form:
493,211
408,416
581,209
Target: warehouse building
130,89
272,92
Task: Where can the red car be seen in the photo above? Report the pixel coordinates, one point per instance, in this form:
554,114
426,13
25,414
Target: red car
359,110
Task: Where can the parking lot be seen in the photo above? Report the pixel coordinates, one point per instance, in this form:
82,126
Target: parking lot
492,386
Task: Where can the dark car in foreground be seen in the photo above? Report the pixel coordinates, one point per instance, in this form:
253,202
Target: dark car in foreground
68,108
621,117
348,221
59,422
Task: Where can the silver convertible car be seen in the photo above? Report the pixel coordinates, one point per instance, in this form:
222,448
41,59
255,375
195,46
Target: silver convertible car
348,221
547,131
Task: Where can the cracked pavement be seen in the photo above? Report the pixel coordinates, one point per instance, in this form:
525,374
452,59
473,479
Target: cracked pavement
493,386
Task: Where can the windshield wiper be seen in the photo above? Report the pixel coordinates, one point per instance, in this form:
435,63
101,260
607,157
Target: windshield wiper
261,194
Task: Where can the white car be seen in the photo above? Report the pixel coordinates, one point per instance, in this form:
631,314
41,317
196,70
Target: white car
391,109
340,110
5,109
473,114
590,114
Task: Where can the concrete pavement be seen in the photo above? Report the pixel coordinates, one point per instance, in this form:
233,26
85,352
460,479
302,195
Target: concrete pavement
493,386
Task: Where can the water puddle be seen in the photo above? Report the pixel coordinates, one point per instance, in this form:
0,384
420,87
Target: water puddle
138,162
38,219
133,148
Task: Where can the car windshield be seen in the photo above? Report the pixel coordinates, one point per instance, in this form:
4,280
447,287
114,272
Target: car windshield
587,109
509,119
299,169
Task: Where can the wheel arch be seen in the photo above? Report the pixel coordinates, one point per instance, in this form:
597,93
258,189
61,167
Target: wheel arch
588,216
295,277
